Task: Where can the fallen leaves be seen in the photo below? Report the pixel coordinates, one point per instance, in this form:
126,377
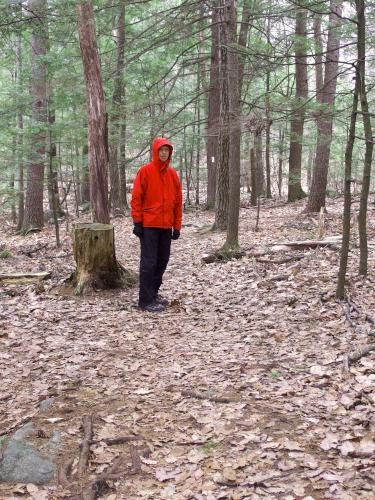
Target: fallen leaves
236,389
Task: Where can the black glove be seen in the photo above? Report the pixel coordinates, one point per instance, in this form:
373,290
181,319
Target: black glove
138,229
175,234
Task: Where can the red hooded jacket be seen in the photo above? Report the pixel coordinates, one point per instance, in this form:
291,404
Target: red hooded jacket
157,196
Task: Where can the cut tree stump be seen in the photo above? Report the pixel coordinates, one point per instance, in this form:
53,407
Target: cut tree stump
94,253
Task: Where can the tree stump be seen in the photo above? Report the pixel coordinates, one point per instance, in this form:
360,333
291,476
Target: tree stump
94,253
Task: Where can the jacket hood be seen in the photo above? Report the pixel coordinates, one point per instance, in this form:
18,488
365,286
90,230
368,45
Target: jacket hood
157,144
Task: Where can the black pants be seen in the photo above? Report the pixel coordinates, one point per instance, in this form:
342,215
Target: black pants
155,251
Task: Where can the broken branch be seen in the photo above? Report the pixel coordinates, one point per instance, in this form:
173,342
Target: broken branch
118,440
85,446
209,396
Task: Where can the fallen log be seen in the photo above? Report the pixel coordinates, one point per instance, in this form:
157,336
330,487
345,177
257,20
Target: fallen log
23,278
333,241
356,355
279,261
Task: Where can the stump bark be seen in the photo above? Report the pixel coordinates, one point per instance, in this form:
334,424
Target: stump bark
94,253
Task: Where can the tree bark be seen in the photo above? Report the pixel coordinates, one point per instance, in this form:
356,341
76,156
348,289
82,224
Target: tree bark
259,162
117,100
362,216
222,174
53,191
123,190
53,188
20,181
33,216
234,110
213,110
253,177
280,162
85,177
317,195
295,191
96,113
268,120
340,289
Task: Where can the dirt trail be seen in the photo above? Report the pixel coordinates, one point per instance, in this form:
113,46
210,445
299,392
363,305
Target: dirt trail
236,391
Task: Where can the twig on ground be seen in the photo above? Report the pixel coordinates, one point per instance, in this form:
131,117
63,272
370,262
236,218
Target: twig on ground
136,460
99,486
209,396
118,440
30,251
85,446
63,473
60,256
279,261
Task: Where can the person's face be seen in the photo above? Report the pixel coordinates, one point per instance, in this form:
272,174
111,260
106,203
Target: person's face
164,153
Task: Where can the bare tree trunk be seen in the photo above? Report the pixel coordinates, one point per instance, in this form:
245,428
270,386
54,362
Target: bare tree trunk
20,186
222,174
53,188
97,118
13,204
123,191
117,99
268,121
213,110
201,84
281,160
232,76
259,162
318,57
340,289
317,195
253,176
295,191
52,183
85,177
362,216
33,217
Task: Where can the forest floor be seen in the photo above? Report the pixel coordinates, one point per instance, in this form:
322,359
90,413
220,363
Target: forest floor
236,391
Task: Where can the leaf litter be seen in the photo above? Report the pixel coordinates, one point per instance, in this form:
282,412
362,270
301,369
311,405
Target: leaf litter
236,391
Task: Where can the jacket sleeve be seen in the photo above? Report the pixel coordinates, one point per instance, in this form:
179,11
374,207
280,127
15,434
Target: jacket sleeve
137,197
178,205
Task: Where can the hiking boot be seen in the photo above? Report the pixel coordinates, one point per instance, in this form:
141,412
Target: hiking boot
153,307
161,300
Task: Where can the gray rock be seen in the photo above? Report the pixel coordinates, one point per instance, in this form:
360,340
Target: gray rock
44,405
24,463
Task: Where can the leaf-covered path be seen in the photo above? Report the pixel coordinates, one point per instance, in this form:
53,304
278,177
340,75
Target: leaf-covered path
236,391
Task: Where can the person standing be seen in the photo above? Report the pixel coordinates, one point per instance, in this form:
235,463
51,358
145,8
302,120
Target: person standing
156,209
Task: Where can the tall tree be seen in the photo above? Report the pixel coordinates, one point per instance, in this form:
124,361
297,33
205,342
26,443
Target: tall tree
222,173
96,114
33,217
234,111
326,97
117,100
340,288
362,216
20,166
213,109
295,191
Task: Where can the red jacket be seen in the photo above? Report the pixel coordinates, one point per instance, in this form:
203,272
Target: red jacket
156,196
